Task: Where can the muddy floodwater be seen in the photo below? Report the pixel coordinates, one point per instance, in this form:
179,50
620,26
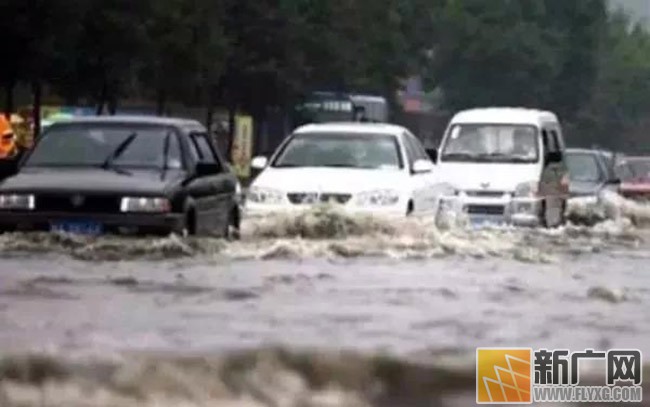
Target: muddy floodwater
321,311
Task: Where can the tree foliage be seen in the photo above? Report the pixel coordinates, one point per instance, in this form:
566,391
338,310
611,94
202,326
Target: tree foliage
252,55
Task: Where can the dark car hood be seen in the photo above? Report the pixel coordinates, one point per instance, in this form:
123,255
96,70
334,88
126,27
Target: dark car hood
90,180
583,188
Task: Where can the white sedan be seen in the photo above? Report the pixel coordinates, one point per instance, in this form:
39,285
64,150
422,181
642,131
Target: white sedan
361,167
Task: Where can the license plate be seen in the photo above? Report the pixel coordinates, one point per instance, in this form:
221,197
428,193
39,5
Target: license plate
480,223
78,227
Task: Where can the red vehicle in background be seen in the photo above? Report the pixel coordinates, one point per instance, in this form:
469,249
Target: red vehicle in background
635,176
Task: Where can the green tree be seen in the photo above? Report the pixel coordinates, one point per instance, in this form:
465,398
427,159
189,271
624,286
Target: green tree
37,42
578,27
616,115
109,48
494,53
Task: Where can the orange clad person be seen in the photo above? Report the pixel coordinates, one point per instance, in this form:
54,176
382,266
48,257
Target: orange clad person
8,148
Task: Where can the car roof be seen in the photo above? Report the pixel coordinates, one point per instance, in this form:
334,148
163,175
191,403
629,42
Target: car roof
352,128
128,119
510,115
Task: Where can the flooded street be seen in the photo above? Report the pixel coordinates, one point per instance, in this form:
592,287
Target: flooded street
425,298
403,307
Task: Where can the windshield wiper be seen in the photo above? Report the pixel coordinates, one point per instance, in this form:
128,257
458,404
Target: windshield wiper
109,162
504,157
460,156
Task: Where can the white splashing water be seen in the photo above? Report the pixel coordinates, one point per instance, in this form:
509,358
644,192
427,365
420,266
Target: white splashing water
326,232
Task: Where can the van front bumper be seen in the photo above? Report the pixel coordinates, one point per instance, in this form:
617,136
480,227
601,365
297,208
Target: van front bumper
506,210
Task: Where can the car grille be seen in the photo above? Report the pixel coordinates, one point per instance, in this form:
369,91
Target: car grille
486,194
307,198
485,209
78,203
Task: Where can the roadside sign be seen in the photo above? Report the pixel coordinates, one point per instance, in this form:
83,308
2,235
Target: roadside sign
242,149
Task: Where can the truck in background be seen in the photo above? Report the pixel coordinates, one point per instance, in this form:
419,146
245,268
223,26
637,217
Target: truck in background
327,107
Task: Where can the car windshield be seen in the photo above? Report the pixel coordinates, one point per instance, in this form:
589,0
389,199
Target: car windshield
583,167
84,145
492,143
341,150
636,169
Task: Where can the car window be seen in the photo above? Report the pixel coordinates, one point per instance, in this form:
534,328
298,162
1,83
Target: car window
491,143
414,149
369,151
410,150
174,156
80,145
583,168
206,154
635,170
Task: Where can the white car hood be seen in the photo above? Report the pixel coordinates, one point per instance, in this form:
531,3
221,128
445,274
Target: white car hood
335,180
490,176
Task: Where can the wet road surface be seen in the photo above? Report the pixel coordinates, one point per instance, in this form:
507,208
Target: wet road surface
595,301
172,322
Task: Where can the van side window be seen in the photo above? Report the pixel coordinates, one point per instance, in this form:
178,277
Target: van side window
551,142
545,141
556,141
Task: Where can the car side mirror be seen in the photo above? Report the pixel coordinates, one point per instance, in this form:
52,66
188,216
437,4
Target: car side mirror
205,169
553,157
422,166
259,163
433,154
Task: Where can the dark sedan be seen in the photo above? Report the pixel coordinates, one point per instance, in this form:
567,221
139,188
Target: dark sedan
123,174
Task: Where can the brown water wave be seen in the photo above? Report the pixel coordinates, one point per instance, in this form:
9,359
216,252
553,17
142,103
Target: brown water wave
265,378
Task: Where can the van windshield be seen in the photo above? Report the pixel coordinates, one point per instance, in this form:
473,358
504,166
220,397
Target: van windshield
504,143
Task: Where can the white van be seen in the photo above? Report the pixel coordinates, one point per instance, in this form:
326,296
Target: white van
505,165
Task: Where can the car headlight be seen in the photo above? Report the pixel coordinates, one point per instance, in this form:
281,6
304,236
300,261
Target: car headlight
145,204
527,189
265,196
383,197
17,202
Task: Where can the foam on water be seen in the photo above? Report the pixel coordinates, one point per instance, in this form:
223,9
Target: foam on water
609,205
326,232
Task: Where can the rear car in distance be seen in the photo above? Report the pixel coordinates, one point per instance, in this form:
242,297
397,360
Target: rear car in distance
378,169
635,177
504,166
122,174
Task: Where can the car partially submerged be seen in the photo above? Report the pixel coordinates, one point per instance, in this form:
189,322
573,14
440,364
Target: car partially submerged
361,168
591,171
504,166
122,174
